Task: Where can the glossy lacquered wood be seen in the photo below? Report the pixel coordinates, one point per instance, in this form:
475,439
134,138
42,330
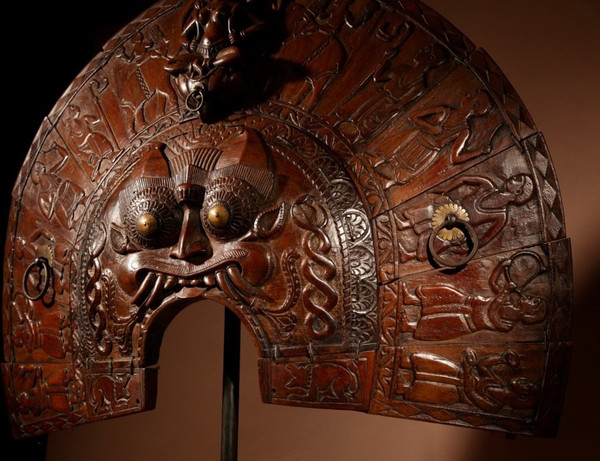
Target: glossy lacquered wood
355,180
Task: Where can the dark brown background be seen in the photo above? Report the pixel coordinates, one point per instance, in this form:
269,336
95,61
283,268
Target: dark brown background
550,52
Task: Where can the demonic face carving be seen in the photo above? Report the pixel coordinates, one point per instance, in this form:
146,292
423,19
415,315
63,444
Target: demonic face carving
187,223
237,216
297,163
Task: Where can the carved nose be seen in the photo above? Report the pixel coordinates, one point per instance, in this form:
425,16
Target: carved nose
193,245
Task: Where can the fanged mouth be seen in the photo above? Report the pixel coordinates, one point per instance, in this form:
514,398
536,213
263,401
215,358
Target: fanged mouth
220,272
210,51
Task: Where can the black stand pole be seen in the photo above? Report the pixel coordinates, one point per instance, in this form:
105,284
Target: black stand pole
231,380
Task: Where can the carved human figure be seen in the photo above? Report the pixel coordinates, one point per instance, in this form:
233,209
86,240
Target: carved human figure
43,392
162,178
146,94
446,312
487,386
85,138
57,195
407,82
488,207
320,56
47,333
406,155
399,83
489,382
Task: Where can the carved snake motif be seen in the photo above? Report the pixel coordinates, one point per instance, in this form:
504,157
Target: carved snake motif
312,217
292,281
284,320
93,289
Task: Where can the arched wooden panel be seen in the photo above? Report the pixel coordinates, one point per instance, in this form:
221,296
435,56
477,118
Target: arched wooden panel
355,180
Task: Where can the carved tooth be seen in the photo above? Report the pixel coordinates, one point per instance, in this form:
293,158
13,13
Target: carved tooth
240,282
146,286
209,280
220,276
155,295
227,287
170,282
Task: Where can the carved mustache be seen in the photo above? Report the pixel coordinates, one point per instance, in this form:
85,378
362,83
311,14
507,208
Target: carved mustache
182,269
229,280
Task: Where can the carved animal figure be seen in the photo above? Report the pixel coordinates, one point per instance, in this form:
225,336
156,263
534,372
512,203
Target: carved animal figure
320,168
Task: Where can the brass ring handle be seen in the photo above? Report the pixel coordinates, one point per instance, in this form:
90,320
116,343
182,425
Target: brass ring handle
451,222
194,100
44,268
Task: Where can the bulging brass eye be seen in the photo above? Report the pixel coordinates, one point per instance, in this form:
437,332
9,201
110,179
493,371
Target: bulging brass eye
147,224
150,213
218,215
230,204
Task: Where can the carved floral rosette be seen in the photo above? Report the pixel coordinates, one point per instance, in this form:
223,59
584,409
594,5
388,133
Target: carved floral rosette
368,195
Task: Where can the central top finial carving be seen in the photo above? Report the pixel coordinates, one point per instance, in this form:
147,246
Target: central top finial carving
219,41
351,178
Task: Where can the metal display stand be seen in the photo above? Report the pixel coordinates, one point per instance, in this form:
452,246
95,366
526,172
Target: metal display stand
231,380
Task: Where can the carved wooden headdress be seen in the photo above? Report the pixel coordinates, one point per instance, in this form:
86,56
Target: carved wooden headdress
354,179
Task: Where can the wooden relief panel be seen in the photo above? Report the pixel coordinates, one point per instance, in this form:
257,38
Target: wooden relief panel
355,180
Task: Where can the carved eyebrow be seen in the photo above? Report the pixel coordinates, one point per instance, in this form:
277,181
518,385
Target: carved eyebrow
191,174
191,166
204,158
261,179
144,183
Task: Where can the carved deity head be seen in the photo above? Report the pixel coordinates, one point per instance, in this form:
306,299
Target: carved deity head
228,217
290,160
189,220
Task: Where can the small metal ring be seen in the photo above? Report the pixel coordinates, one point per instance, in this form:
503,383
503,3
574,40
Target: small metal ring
194,100
45,275
450,222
